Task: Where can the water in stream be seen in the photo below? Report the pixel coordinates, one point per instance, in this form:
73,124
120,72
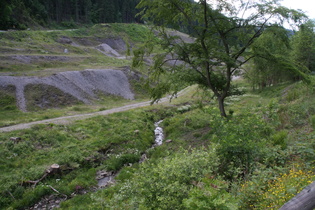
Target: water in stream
159,134
106,177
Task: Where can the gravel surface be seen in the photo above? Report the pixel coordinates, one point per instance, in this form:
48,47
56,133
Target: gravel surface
69,119
107,50
83,85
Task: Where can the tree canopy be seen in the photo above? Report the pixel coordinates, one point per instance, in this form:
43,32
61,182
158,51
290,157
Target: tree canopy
223,34
282,55
303,46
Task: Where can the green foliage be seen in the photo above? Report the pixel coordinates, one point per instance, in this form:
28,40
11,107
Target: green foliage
127,173
210,194
297,107
30,196
188,129
242,141
135,32
5,13
83,180
244,161
77,148
266,72
6,100
184,108
118,161
164,183
271,190
213,56
312,119
303,44
77,202
280,138
22,14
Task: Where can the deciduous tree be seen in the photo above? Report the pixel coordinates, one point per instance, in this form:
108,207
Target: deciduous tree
223,34
303,44
262,73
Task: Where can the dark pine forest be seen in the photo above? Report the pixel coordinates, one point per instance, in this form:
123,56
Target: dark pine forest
21,14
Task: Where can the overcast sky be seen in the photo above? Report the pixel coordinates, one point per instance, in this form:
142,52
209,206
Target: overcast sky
308,6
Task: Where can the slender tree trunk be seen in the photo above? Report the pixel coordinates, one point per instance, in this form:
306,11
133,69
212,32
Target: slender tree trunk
58,11
87,10
221,106
76,6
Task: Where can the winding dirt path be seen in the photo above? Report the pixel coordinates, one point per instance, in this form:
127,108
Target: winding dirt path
69,119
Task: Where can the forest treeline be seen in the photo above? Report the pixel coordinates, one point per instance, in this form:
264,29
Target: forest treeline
21,14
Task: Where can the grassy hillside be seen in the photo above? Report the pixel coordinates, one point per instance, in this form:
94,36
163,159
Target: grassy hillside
259,158
44,53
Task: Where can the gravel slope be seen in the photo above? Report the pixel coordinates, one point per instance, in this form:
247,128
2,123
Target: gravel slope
83,85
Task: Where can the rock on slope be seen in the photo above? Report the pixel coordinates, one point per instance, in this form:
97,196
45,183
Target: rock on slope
83,85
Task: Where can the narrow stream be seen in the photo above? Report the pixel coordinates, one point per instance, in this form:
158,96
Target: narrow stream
159,134
105,178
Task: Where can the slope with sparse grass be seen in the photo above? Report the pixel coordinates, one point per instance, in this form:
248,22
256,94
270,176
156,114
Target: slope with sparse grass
47,52
40,55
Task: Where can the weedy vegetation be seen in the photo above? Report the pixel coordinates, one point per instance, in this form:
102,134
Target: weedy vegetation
258,157
252,159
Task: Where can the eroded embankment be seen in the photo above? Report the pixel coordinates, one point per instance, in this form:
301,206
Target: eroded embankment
83,85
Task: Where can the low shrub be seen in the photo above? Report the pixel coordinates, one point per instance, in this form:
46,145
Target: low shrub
165,183
280,138
210,194
241,142
271,193
312,121
116,162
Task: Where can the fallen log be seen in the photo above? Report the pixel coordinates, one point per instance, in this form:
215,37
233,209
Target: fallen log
53,169
305,200
15,140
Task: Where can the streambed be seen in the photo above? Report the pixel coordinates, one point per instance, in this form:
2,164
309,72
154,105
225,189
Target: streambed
105,178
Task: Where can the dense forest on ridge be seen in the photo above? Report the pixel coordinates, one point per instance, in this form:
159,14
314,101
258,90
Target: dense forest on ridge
21,14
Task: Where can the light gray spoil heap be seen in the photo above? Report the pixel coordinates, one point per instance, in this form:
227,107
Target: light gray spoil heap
83,85
107,50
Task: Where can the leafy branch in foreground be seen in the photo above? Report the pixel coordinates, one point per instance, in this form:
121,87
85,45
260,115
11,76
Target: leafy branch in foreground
219,45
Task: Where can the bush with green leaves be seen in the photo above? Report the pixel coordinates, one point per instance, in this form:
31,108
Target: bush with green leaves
210,194
280,138
117,161
242,141
271,188
165,182
312,121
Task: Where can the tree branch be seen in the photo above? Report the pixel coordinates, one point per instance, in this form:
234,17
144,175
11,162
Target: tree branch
251,57
251,40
